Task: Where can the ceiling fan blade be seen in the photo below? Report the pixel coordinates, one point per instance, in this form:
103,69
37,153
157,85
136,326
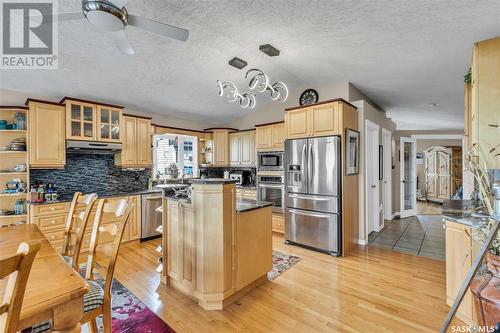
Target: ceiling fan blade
118,3
158,27
122,42
63,16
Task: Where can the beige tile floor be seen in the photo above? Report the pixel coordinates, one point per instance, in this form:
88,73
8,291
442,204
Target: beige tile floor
421,235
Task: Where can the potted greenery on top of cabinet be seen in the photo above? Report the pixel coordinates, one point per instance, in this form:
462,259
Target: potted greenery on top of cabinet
91,121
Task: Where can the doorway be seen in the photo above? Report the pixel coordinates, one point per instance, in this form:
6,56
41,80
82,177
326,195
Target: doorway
372,190
387,174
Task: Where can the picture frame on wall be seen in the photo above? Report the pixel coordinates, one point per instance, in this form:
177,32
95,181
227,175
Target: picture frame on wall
352,152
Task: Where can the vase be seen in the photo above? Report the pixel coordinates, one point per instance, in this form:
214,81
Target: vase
486,290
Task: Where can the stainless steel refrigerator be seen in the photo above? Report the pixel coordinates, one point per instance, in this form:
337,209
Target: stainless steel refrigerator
312,186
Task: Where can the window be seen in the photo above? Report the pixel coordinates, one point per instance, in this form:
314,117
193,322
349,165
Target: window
180,150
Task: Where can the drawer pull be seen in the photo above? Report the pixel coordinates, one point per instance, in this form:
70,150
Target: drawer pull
52,208
52,237
53,222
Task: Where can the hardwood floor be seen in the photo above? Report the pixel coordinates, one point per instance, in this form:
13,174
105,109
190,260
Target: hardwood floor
374,290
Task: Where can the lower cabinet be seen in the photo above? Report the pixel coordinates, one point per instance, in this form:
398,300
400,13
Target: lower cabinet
278,225
51,219
460,252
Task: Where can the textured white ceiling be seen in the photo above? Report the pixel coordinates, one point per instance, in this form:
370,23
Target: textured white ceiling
402,54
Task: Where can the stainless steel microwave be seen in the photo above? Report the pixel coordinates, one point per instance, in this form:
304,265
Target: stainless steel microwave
270,161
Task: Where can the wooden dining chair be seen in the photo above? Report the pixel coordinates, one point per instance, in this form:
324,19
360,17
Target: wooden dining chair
76,222
17,269
107,231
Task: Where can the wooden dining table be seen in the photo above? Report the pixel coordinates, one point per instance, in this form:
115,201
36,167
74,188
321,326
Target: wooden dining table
54,290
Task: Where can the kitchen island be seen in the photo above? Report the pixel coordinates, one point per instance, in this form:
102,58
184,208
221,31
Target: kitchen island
215,248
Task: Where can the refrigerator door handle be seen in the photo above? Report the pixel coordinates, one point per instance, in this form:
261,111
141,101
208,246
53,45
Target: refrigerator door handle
294,211
308,197
310,167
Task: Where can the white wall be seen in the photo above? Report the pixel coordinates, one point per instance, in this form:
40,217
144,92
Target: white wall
367,112
9,97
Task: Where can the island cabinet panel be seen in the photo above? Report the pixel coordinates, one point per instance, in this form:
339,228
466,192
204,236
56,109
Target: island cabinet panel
46,135
460,252
252,253
214,254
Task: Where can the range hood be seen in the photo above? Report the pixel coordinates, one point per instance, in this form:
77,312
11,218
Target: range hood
91,147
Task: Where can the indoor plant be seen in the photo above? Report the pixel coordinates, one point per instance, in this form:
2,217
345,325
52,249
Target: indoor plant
484,285
172,171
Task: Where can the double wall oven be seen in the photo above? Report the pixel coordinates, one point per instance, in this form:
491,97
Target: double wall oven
270,179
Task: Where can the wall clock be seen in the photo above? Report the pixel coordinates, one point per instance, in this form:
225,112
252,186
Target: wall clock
309,96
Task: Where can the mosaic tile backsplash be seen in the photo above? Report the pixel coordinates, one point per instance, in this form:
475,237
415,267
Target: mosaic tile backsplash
92,173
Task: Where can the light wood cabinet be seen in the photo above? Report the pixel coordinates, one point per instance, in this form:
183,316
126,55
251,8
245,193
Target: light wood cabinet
90,121
278,223
270,137
460,252
46,135
136,150
108,123
318,120
51,219
242,148
485,94
220,147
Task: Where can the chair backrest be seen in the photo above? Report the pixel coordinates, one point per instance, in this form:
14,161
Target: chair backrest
107,232
17,269
76,222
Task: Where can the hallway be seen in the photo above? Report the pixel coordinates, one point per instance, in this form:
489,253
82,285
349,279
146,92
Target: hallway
421,235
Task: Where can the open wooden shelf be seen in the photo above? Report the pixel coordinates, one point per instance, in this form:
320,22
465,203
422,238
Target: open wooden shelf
13,152
19,194
13,173
12,131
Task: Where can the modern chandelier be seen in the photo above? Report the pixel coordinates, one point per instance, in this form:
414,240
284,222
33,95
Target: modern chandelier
246,100
260,81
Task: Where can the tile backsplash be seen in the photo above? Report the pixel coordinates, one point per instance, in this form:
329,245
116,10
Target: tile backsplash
92,173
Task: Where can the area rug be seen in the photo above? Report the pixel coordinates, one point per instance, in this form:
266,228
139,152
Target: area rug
281,263
130,315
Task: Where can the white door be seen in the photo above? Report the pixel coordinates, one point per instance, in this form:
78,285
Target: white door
387,174
408,178
372,190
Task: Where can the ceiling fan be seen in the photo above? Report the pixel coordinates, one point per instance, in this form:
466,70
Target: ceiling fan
111,16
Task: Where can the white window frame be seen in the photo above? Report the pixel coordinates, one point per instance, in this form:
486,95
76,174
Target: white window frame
180,140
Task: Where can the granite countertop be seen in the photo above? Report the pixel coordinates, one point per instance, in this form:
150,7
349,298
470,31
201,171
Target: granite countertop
458,211
245,205
107,195
212,181
247,187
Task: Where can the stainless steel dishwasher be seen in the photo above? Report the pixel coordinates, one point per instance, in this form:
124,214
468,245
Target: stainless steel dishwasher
151,218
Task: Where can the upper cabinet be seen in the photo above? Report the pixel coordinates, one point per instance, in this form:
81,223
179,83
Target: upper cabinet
270,136
109,120
89,121
242,148
484,119
317,120
220,147
46,135
136,150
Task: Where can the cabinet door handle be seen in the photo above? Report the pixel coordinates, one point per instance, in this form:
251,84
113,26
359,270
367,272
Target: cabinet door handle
53,222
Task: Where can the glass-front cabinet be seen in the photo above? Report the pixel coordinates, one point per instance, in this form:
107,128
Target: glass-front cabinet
92,122
81,121
109,120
